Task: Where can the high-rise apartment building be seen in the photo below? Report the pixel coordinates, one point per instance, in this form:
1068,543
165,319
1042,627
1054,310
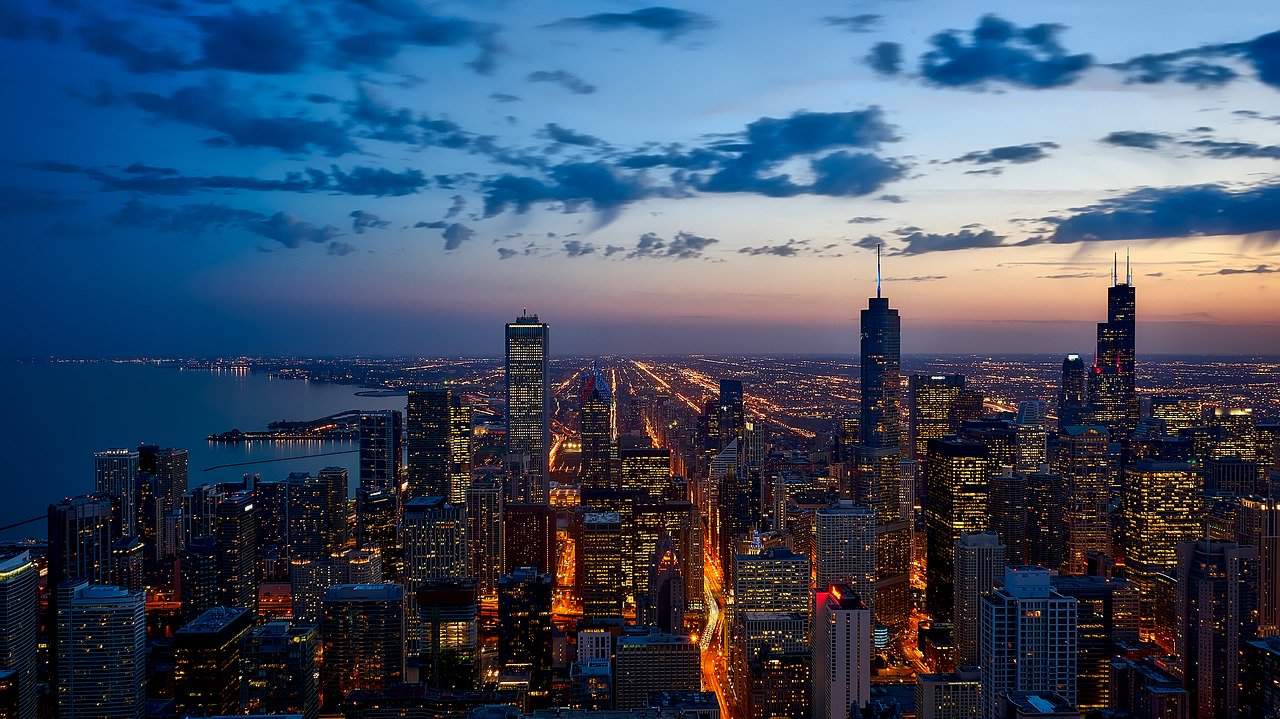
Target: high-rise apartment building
528,401
845,549
1162,509
427,441
530,537
280,670
380,449
434,533
362,631
524,621
979,568
236,533
1217,612
932,407
19,622
841,652
1073,400
101,652
647,471
207,671
115,475
1027,640
601,581
484,509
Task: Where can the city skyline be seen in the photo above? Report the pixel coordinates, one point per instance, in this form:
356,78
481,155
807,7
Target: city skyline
361,188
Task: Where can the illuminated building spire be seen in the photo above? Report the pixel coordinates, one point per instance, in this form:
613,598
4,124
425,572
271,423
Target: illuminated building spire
878,246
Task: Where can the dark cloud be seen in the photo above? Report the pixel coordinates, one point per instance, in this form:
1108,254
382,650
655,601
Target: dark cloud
458,204
433,225
892,199
684,246
563,78
853,174
16,23
359,180
1176,212
1255,115
575,185
865,220
191,220
361,221
864,22
565,136
319,98
1258,270
382,28
456,234
885,58
669,23
611,250
1202,66
340,249
262,42
506,253
769,141
577,248
138,52
292,232
1029,152
995,52
919,243
1223,149
1141,140
503,97
675,156
1070,276
212,106
790,248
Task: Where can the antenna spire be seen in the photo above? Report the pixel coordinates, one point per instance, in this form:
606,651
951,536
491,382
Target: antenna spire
1115,264
1128,269
878,246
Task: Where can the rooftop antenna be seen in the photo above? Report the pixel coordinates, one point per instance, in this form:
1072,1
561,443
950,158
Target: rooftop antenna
1128,270
878,246
1115,262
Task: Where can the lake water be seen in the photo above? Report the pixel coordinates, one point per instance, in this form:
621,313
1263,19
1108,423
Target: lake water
53,417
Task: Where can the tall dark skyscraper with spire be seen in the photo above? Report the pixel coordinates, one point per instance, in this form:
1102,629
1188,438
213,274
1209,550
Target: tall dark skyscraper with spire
1072,397
881,364
1113,399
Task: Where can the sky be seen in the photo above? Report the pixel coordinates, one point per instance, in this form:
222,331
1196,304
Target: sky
199,177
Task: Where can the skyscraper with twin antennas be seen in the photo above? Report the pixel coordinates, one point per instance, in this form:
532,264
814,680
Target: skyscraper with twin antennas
1113,399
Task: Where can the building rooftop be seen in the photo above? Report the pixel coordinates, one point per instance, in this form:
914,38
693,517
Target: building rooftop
213,620
364,593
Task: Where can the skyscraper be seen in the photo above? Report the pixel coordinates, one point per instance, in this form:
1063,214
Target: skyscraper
601,581
376,526
884,484
881,361
1106,625
280,669
115,474
979,568
958,480
236,532
207,652
427,441
528,394
460,430
841,652
1113,399
731,412
1217,613
101,652
448,634
435,541
1259,526
19,620
845,549
312,506
362,631
1162,509
169,466
485,535
595,428
529,537
652,663
647,471
1028,640
524,620
380,449
1072,395
932,404
1086,470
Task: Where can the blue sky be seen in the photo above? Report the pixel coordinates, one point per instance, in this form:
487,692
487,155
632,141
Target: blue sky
392,176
